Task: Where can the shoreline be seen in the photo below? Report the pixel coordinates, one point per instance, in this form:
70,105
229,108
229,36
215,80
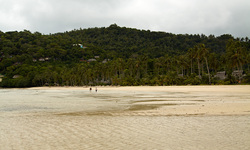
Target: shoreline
212,88
137,88
152,100
172,100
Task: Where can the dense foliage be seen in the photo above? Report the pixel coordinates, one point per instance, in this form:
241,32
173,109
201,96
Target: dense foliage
120,56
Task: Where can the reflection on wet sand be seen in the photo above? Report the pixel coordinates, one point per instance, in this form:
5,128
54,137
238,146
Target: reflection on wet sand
202,117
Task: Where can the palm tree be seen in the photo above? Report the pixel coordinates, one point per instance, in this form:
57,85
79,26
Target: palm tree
198,56
204,53
157,66
214,61
183,63
191,55
144,65
131,66
201,52
167,63
120,65
248,61
236,54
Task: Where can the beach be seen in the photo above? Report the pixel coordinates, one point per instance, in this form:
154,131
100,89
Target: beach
141,117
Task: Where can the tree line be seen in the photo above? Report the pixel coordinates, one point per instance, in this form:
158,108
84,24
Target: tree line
120,56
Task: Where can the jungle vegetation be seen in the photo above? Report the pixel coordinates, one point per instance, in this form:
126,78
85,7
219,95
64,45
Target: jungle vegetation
120,56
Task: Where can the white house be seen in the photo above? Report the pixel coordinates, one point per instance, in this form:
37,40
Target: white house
221,75
1,77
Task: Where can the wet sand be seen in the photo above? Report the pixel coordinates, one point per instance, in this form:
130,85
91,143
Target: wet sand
171,117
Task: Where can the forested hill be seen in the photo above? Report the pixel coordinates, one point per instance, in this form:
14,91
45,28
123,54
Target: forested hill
123,42
120,56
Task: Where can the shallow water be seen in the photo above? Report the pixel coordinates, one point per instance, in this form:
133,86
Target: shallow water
111,119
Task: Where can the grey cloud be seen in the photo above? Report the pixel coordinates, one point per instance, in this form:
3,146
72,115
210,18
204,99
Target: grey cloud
182,16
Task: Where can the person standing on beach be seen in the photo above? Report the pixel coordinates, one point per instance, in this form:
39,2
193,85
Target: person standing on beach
96,89
90,89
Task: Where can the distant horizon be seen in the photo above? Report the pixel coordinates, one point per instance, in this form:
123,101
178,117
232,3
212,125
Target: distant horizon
69,30
178,17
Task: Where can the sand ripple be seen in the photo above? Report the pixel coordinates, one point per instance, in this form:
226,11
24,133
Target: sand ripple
125,132
159,118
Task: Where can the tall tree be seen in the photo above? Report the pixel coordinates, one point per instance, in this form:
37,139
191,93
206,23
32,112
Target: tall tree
236,55
191,56
205,53
198,57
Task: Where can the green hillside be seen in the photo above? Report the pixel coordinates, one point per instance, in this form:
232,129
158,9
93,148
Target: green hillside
121,56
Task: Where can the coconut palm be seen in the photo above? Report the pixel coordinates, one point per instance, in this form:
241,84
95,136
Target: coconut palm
236,55
197,56
182,63
205,53
191,56
201,52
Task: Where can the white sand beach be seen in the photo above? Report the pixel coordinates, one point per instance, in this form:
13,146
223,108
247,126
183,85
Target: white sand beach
142,117
175,100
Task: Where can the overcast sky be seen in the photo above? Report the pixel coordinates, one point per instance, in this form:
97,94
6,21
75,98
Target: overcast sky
176,16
